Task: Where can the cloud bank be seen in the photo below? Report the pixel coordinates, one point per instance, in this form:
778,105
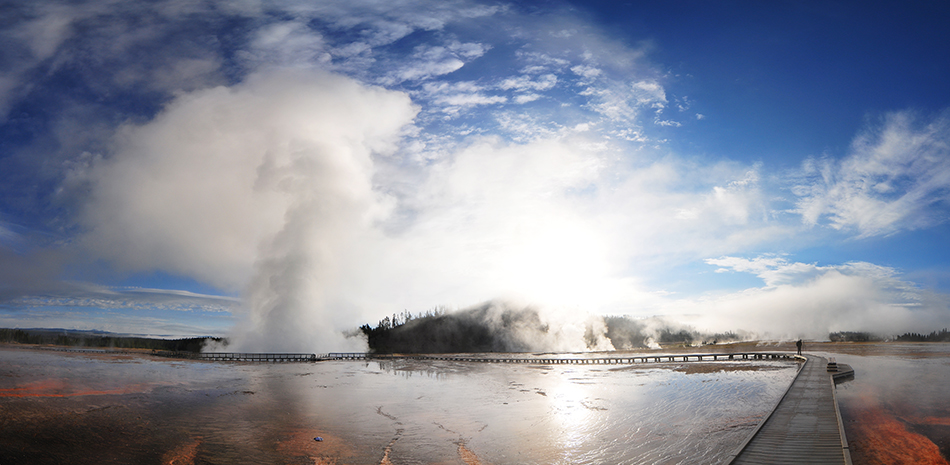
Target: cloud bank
808,300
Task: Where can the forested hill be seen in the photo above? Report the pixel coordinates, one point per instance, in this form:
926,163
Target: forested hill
498,327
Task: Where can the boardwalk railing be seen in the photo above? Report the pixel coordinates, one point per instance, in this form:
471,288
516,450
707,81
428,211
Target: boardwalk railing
481,358
611,360
211,356
255,357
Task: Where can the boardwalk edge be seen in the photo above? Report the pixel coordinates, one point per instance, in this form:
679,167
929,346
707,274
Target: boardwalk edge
844,438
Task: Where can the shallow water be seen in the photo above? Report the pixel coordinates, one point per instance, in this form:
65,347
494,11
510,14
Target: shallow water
897,407
83,408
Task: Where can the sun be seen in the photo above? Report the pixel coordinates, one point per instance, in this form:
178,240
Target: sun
561,263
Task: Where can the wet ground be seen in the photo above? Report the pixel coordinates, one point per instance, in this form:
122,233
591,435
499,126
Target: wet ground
92,408
58,407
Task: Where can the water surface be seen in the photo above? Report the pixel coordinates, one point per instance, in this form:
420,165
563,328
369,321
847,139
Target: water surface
84,408
897,408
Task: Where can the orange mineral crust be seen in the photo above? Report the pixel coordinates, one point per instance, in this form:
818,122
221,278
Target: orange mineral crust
62,388
879,434
184,454
298,443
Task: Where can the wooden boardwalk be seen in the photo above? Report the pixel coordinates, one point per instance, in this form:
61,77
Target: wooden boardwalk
805,426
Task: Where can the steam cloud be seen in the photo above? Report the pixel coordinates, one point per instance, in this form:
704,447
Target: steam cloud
273,176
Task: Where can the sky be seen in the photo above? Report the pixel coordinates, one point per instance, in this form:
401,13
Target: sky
283,172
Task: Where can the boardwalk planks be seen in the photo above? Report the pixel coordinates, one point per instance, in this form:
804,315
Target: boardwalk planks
804,428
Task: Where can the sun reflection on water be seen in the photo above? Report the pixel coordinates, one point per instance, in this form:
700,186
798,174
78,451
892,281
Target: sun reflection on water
416,411
568,401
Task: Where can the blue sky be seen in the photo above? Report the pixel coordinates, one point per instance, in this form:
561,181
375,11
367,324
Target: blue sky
300,168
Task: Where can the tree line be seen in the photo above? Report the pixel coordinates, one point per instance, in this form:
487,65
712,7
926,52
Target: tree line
936,336
74,339
863,336
497,327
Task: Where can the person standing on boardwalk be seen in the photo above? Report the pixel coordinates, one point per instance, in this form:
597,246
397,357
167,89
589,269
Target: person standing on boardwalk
799,344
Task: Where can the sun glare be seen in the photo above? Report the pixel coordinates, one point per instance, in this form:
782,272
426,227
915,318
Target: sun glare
573,409
558,264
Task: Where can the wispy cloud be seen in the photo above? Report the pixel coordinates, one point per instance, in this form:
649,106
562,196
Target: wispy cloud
78,295
83,305
428,61
527,83
451,96
895,178
290,43
35,39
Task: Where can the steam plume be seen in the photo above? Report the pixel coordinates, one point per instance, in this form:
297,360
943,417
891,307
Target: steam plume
266,183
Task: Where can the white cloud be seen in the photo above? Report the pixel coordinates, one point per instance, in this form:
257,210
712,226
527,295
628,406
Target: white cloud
895,178
383,23
539,62
773,270
290,43
431,61
48,30
557,221
495,220
32,41
459,94
671,211
526,98
522,127
467,100
649,93
426,69
186,74
526,83
623,102
586,71
7,236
